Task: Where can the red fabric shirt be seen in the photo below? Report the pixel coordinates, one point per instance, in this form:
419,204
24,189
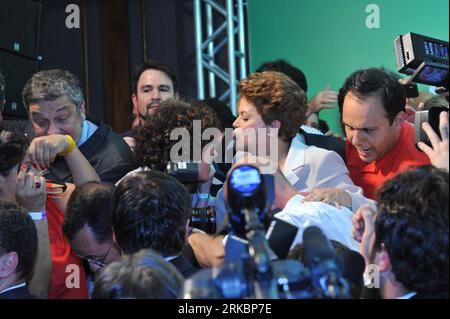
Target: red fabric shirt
371,176
62,257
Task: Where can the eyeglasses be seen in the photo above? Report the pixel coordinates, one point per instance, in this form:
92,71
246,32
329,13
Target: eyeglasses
99,263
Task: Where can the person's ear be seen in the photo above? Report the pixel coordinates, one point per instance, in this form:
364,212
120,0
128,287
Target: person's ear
398,120
186,232
177,96
83,110
114,239
134,100
8,264
275,124
384,261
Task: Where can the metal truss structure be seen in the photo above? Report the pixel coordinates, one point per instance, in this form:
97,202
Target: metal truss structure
211,37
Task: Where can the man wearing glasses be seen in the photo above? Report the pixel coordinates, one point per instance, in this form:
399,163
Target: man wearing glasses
87,226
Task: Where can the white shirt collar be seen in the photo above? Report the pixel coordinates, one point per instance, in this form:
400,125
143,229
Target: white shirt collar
13,287
170,258
408,295
295,158
88,130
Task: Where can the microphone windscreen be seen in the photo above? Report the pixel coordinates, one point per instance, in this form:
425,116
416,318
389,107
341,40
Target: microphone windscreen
317,246
353,265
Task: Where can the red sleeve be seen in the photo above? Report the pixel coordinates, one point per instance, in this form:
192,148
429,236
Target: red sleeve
66,266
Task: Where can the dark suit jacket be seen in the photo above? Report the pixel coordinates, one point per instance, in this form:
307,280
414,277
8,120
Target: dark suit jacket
327,142
18,293
184,266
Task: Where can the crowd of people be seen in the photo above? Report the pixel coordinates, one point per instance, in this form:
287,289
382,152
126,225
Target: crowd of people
86,212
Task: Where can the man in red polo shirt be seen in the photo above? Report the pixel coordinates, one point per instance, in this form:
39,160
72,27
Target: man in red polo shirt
380,144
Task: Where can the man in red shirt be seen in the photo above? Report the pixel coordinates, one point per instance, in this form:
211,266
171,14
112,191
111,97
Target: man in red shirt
380,144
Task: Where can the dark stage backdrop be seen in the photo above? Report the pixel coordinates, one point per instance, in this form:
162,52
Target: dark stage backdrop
110,41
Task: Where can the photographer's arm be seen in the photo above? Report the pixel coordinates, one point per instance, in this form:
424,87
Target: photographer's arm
33,199
205,175
208,250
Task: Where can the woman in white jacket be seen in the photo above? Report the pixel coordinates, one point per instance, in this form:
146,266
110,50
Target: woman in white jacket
271,108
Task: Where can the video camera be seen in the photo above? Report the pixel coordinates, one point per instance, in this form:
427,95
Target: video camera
424,58
184,172
187,173
250,269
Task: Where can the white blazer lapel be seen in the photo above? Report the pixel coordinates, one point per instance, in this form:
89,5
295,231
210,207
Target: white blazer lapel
295,160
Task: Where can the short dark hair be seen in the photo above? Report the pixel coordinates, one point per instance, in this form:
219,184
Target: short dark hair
150,210
285,67
154,65
90,205
143,275
12,149
375,82
298,251
412,223
154,142
18,234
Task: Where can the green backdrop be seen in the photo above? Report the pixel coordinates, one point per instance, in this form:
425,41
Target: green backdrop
329,39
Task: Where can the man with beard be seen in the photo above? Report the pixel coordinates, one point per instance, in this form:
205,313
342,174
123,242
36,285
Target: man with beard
153,82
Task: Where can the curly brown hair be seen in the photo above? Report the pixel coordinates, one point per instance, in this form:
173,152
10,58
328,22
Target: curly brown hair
153,143
276,97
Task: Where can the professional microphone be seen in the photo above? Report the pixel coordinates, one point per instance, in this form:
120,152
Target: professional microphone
353,266
249,212
325,268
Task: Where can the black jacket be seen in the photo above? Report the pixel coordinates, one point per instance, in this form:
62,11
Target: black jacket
18,293
327,142
105,150
184,266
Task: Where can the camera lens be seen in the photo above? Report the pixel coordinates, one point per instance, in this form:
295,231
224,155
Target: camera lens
204,219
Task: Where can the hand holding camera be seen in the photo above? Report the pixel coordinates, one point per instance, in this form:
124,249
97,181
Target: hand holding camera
438,152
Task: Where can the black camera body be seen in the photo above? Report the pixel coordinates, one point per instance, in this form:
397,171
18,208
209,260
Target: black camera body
411,90
432,117
185,172
204,219
250,269
424,58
